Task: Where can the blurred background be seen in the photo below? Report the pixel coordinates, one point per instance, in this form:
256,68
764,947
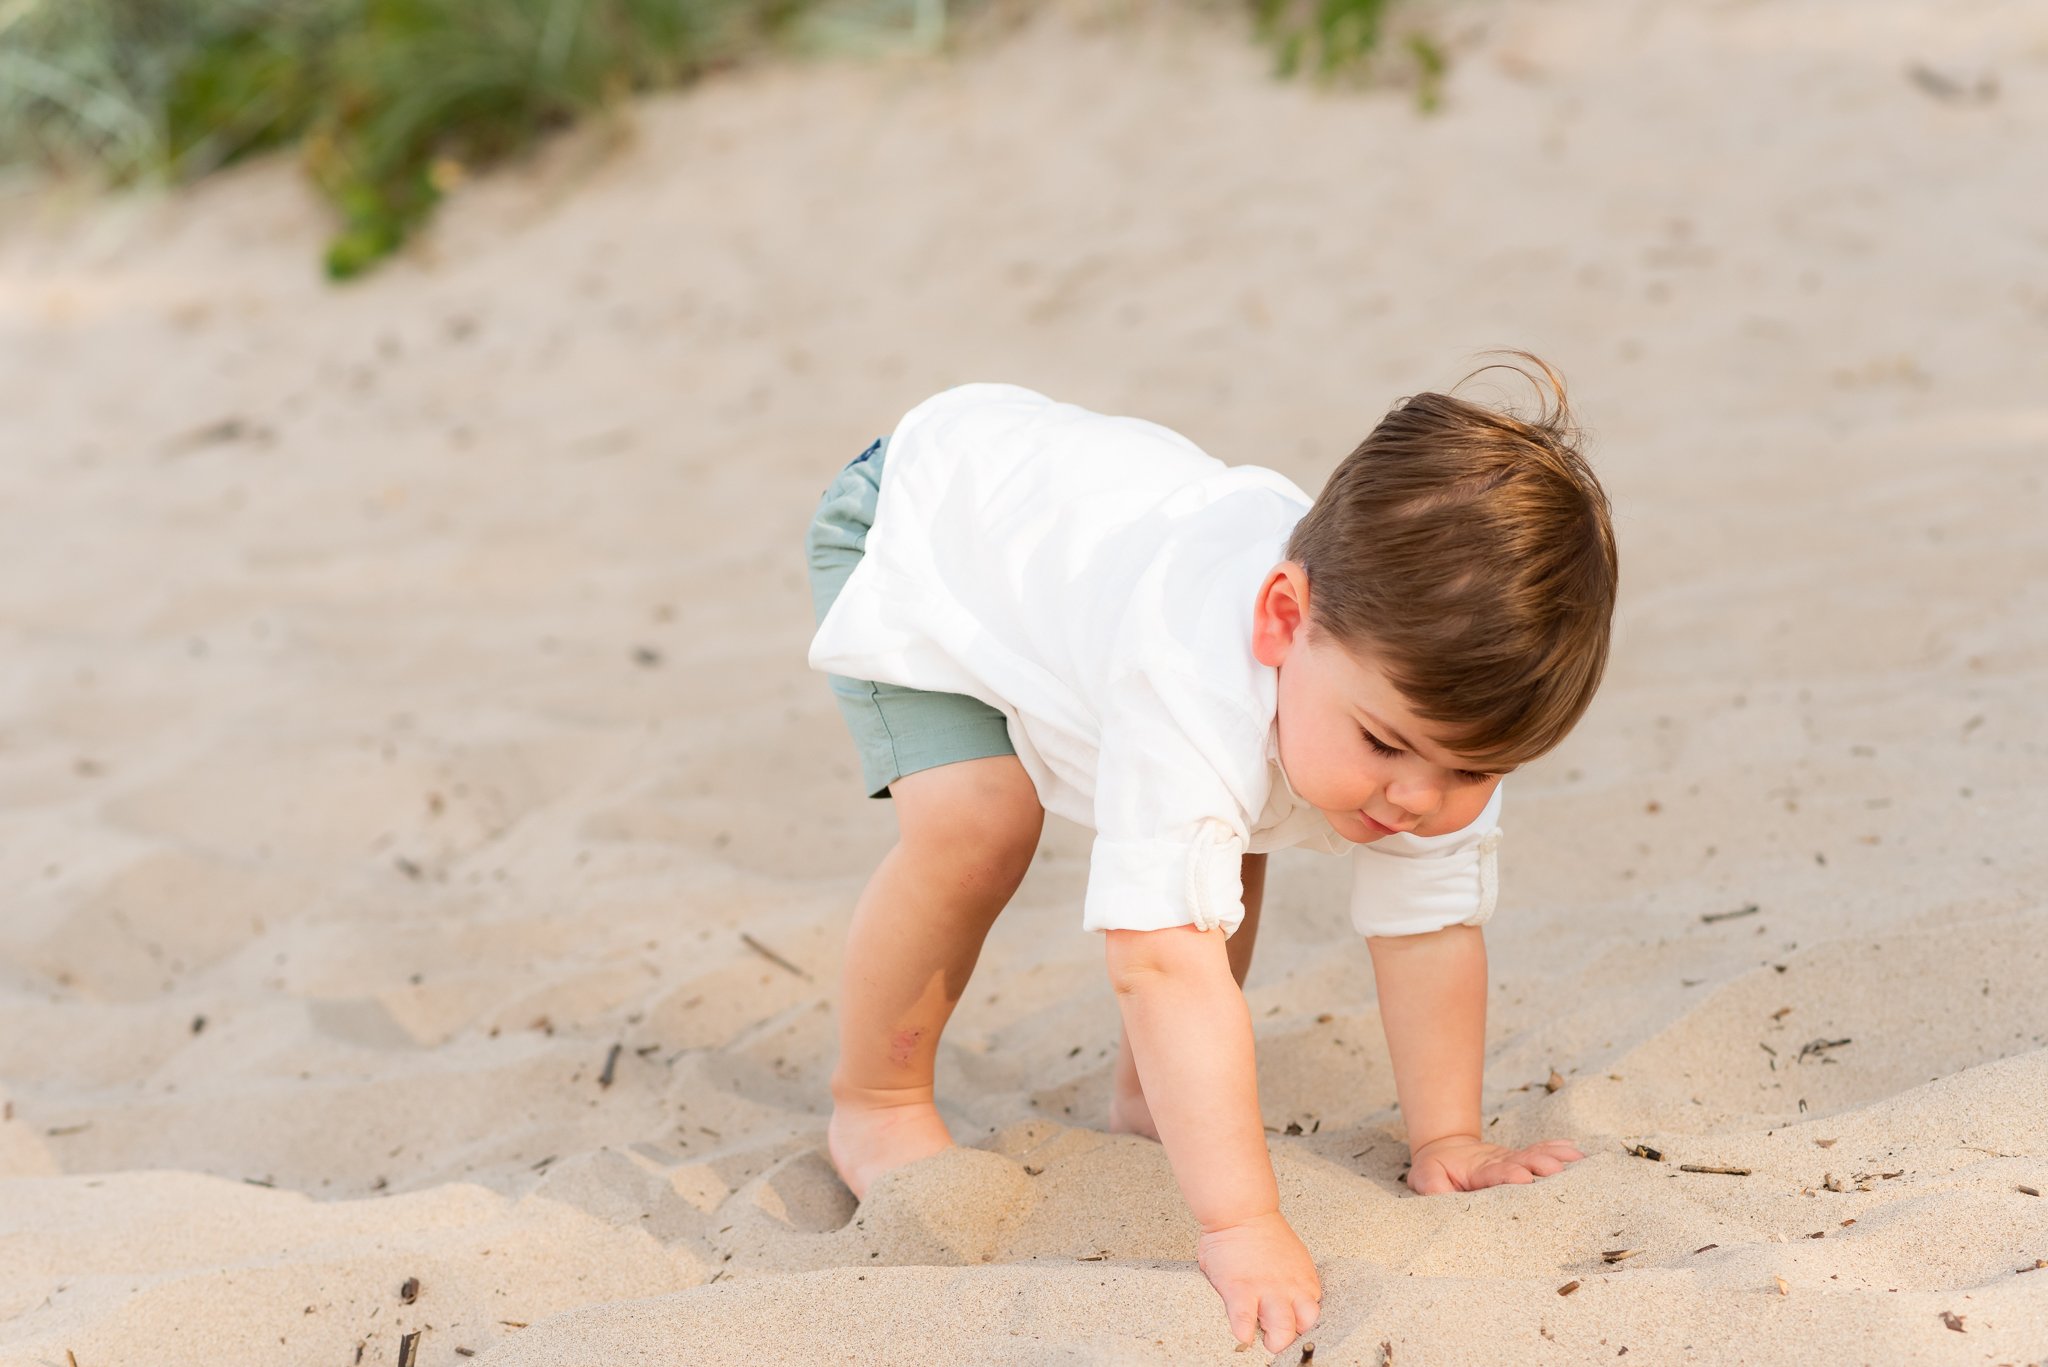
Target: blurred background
428,855
390,103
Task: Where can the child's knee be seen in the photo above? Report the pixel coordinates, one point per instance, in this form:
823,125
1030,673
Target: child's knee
981,819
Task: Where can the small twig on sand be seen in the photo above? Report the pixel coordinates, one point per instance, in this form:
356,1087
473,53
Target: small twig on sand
1567,1288
1708,1167
611,1065
771,956
1819,1047
1712,916
1644,1151
1949,90
408,1349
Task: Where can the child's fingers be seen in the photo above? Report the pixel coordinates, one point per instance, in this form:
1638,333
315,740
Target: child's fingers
1431,1180
1541,1163
1277,1315
1306,1313
1243,1309
1559,1148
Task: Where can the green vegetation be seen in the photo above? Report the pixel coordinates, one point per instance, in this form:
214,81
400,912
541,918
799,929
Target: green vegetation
1327,36
391,101
1331,39
388,98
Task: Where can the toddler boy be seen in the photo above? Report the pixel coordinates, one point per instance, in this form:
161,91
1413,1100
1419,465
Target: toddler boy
1029,607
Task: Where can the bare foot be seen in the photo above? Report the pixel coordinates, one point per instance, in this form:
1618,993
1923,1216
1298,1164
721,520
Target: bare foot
1128,1113
866,1139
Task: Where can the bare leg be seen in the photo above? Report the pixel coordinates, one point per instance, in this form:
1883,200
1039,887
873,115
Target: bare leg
1128,1113
968,832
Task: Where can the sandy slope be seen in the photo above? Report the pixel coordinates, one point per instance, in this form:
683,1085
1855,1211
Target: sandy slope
405,705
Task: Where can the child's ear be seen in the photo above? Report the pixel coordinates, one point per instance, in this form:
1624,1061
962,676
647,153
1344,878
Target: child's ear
1280,614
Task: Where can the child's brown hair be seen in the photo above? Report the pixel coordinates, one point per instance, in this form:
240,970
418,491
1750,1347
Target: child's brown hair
1469,554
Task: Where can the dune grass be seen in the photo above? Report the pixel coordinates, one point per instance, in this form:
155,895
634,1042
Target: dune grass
387,98
391,101
1333,39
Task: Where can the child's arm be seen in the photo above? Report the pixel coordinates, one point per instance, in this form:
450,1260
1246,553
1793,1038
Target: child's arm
1192,1036
1433,1005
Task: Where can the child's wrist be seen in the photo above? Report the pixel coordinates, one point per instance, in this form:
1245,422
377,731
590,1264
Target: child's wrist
1243,1200
1219,1226
1454,1136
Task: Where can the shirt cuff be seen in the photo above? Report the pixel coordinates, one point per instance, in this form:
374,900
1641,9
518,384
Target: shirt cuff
1408,891
1159,884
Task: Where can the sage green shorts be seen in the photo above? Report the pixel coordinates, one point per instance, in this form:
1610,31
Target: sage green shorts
897,731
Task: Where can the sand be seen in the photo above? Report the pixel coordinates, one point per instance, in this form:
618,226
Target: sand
405,709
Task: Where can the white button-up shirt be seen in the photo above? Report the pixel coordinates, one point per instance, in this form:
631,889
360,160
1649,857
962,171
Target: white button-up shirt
1092,578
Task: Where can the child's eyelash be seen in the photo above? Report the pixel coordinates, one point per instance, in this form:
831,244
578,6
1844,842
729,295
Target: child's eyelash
1378,745
1381,747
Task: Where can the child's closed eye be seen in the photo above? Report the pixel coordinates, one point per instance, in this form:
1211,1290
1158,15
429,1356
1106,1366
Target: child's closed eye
1381,747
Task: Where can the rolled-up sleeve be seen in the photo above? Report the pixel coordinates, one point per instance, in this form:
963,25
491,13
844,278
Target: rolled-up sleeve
1171,831
1412,885
1158,884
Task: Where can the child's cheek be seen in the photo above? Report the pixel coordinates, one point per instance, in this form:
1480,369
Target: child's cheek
1458,811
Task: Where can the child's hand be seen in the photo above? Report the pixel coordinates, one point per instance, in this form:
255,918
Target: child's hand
1459,1162
1265,1276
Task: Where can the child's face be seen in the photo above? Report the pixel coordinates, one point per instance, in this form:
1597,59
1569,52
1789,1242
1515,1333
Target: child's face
1348,741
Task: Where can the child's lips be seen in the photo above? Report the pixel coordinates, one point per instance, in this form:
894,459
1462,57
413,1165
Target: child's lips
1379,826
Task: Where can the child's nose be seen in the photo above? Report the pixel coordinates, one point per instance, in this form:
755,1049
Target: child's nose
1419,799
